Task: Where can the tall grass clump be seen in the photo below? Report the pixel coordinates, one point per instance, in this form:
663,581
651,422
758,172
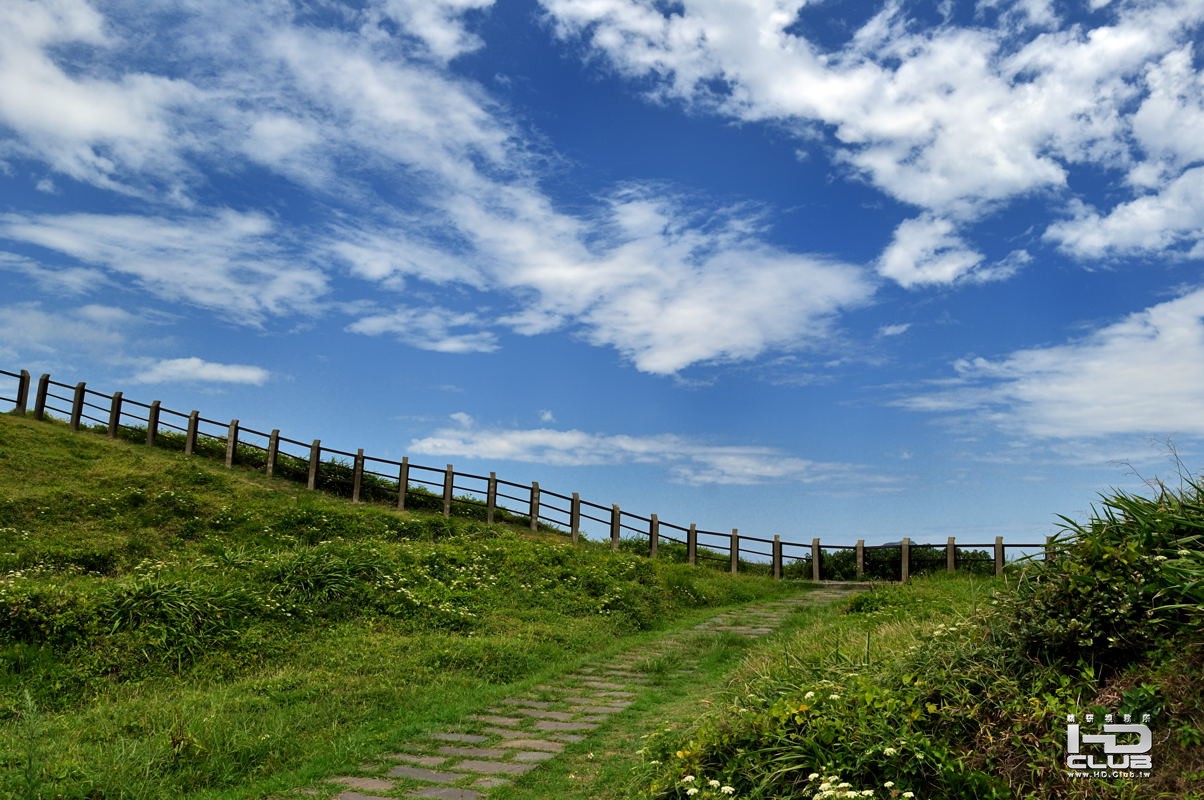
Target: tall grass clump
957,687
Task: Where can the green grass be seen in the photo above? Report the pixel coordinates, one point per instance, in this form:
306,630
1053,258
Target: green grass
172,628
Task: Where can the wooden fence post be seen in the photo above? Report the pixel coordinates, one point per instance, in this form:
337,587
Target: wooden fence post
615,525
357,476
449,477
905,559
692,545
534,508
735,551
575,517
114,415
315,458
152,424
273,452
77,405
1049,548
39,402
951,555
860,559
491,498
777,557
194,422
231,442
816,557
22,392
403,483
998,555
654,536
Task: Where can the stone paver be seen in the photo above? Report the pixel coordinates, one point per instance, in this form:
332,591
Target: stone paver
495,767
428,775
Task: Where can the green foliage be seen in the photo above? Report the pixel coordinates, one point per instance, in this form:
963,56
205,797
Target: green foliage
1120,583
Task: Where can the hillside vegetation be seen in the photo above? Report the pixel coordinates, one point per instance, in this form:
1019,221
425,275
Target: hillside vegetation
955,687
172,628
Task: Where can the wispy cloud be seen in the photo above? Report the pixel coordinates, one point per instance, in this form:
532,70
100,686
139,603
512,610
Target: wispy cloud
1142,375
197,370
430,329
226,261
686,460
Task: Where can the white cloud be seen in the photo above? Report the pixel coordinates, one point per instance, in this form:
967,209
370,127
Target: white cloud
1141,375
894,330
687,461
437,23
26,328
954,120
91,128
1170,222
60,280
430,329
229,262
189,370
926,251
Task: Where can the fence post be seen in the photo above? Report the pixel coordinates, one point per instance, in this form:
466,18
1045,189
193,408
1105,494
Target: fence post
449,477
194,421
273,452
491,498
816,556
114,415
615,524
905,559
692,545
575,517
231,442
998,555
152,424
403,483
39,402
654,536
315,458
77,405
534,509
777,557
860,559
22,392
735,551
951,555
1049,548
357,476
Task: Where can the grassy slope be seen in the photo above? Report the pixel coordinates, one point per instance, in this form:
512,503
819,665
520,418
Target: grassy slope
170,628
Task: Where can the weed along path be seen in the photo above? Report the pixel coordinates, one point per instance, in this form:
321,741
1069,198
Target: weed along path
491,752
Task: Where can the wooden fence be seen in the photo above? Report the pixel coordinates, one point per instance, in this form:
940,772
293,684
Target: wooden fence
405,484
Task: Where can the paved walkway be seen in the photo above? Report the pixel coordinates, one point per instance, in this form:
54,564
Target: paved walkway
491,749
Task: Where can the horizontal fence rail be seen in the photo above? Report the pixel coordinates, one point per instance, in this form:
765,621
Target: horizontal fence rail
408,486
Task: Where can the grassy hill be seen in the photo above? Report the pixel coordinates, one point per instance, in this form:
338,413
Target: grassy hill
172,628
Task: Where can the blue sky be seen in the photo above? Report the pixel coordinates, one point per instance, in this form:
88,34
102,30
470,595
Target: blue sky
836,269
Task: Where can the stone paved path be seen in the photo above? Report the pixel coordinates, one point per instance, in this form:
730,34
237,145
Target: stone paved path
520,733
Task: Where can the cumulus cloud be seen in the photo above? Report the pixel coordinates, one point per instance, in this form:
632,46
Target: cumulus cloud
927,251
686,460
1141,375
185,370
954,120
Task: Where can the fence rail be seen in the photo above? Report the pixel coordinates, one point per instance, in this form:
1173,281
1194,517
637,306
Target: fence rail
404,484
